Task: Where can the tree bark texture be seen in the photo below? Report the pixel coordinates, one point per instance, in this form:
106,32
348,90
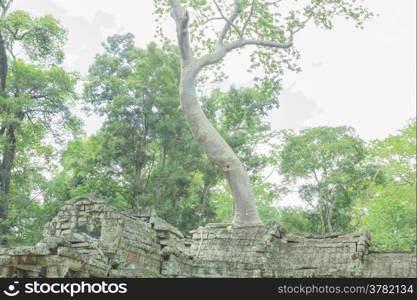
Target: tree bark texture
212,143
218,151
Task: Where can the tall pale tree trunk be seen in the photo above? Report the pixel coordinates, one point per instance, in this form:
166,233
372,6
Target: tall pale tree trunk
218,151
216,148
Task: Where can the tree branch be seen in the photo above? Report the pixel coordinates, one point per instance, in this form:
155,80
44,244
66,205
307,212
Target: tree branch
5,7
177,8
270,44
303,24
229,21
316,178
221,52
181,17
211,19
249,17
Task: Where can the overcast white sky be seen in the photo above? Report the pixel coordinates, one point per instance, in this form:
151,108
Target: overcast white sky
365,79
362,78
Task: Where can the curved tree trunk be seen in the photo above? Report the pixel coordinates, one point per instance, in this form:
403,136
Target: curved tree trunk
216,148
218,151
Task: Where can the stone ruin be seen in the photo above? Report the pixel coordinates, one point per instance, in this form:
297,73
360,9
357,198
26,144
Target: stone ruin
89,238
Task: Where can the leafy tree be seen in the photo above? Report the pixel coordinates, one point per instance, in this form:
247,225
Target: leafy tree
389,211
144,155
299,220
135,90
34,103
267,26
325,163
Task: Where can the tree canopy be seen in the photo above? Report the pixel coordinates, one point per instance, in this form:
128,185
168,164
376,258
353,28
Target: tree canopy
35,98
144,154
389,211
326,165
268,26
193,153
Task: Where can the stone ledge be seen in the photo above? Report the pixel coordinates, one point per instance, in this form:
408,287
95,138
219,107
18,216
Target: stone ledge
88,238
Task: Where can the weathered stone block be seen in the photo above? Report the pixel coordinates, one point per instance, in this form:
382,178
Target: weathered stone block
88,238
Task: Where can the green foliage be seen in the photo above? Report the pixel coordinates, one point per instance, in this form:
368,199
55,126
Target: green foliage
299,220
34,114
389,213
391,219
379,189
144,151
144,155
266,20
325,164
239,116
41,38
27,219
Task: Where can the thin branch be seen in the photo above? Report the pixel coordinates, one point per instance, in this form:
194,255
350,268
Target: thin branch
9,48
249,17
316,178
303,24
205,18
270,174
229,21
211,19
269,44
221,52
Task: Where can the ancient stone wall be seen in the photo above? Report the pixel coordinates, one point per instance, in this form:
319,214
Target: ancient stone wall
88,238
